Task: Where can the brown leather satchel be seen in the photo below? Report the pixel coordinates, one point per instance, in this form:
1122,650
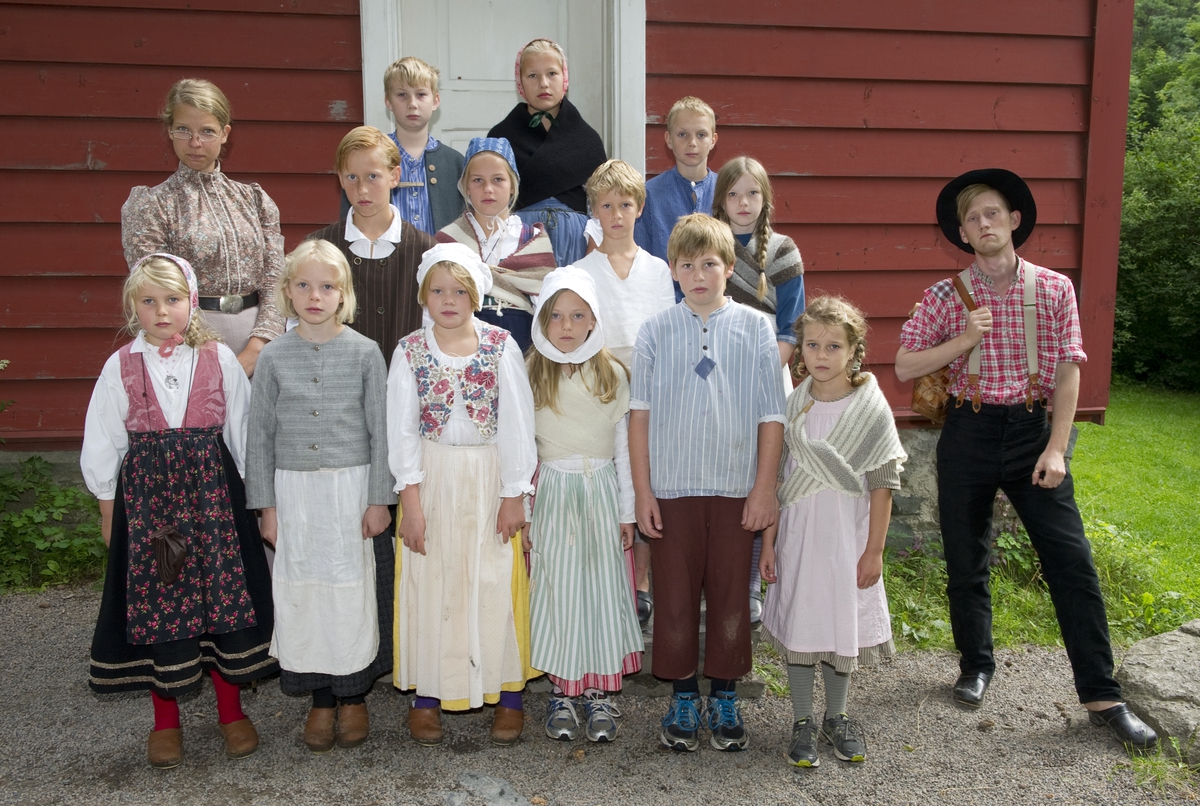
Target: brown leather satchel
170,551
930,395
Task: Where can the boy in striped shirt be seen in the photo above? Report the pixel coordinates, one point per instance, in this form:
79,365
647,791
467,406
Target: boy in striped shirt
705,436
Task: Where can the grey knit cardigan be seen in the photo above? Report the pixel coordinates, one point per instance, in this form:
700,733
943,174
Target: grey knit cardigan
318,406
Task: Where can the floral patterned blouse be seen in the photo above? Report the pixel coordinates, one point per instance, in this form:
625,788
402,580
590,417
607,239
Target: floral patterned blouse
228,230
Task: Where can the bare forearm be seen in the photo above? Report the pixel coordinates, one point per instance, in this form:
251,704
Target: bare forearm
410,498
639,450
1065,401
879,520
106,516
910,364
770,446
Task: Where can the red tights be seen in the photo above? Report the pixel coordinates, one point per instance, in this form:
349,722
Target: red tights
229,704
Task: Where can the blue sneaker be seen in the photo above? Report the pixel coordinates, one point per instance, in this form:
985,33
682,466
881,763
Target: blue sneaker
681,725
724,718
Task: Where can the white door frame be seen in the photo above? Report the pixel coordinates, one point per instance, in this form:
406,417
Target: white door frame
624,126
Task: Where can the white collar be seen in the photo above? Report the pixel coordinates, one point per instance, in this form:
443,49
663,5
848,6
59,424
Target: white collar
502,243
392,233
140,345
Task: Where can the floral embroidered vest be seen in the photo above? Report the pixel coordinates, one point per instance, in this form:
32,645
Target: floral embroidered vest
206,402
478,381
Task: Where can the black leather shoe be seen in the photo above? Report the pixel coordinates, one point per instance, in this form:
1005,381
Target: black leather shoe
1125,725
970,688
645,607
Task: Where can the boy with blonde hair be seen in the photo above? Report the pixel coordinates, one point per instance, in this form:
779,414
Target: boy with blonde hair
427,193
688,187
382,248
705,437
634,285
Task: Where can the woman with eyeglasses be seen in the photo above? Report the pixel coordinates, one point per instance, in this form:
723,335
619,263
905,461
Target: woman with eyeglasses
227,230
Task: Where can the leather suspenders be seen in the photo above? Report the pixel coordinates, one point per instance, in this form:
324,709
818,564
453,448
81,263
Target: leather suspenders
962,284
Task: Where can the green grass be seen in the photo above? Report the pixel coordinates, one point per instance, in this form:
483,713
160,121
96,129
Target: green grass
1137,481
1165,772
49,535
1141,473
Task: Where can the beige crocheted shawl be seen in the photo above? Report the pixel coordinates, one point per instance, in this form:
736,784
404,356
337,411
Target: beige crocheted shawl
864,439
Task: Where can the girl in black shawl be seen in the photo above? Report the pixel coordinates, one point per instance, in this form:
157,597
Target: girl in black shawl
556,149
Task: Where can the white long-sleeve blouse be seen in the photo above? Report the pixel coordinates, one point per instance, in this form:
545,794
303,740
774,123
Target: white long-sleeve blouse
105,440
514,438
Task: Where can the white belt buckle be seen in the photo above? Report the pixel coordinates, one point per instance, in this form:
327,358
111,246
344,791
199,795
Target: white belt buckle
231,303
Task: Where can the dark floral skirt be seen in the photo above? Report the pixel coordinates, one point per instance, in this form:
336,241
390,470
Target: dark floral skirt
219,613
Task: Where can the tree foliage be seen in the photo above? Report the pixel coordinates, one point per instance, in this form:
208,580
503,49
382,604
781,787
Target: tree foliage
1158,302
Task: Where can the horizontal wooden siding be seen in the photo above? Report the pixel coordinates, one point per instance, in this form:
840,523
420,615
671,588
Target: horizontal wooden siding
83,83
862,111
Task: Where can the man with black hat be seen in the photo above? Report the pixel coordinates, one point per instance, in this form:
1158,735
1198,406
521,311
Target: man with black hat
998,435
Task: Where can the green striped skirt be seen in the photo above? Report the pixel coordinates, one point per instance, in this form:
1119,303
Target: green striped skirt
585,632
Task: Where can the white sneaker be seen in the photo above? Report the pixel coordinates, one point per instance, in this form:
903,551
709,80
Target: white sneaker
602,714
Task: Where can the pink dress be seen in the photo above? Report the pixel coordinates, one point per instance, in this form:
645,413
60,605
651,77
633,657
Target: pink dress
815,612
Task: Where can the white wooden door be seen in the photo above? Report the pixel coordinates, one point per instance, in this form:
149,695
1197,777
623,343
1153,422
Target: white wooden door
474,44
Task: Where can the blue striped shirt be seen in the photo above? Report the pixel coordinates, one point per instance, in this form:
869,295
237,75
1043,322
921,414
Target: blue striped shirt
413,202
704,432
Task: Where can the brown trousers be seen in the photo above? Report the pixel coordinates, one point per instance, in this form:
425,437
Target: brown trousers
703,549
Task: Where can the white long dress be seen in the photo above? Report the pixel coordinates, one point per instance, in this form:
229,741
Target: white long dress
816,612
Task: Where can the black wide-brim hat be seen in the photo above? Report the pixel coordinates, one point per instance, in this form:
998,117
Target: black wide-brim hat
1007,183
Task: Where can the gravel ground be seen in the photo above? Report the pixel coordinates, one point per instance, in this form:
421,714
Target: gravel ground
1030,743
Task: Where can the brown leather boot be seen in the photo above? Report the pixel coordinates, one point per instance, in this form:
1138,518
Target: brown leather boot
241,739
164,749
425,725
507,724
318,730
353,724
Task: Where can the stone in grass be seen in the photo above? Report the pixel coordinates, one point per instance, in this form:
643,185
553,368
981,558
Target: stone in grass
1158,678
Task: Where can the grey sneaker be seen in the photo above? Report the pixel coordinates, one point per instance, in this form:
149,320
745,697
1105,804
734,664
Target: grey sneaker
602,714
562,720
843,734
724,717
803,750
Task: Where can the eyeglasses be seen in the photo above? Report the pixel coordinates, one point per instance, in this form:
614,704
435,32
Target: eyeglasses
183,133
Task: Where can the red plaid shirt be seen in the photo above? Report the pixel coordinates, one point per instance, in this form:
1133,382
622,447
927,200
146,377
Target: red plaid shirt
1003,367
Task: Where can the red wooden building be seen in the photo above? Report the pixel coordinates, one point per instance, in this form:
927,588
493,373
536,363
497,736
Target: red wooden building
860,109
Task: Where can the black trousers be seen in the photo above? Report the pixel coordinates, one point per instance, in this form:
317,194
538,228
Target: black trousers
997,448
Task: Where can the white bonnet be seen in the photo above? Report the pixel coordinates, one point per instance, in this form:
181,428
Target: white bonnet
577,280
462,255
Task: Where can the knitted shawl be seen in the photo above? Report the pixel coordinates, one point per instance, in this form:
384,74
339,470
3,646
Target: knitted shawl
783,264
555,162
863,439
520,274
